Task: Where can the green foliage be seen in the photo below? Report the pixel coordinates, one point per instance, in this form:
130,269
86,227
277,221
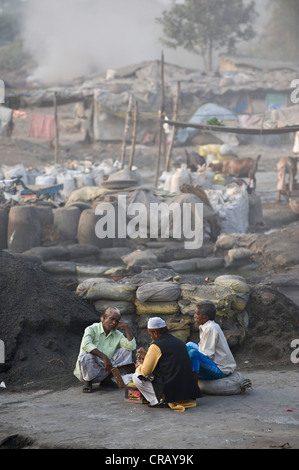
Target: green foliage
9,29
215,122
201,26
12,56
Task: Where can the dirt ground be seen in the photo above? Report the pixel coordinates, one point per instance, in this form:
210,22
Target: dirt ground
55,414
265,418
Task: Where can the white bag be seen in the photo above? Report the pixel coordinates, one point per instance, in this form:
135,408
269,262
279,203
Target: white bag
234,384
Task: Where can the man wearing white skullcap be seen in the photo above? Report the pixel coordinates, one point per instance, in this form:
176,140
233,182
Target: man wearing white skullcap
164,374
155,322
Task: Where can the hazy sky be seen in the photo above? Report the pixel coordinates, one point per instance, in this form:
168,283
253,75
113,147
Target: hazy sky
71,38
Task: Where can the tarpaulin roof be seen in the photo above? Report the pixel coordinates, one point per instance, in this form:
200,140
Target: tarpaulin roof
145,78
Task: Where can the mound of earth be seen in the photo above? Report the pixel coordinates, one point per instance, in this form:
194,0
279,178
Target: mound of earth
279,249
273,324
274,251
41,324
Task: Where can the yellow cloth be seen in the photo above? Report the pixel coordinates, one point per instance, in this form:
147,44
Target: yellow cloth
182,405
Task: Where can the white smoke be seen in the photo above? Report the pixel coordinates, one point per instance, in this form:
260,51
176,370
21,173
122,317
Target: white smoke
71,38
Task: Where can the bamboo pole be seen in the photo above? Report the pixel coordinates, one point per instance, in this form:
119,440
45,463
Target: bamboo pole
161,116
159,153
175,115
56,154
135,118
126,129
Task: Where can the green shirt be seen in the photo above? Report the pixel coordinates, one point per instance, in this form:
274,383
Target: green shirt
95,338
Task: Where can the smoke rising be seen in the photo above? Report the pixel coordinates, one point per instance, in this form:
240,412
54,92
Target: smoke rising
72,38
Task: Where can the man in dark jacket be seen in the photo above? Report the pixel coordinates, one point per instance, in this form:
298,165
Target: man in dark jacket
164,374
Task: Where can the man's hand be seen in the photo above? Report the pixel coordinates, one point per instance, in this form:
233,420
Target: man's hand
141,352
138,363
107,362
140,355
123,324
104,358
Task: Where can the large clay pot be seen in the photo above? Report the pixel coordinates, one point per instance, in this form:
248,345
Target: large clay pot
24,228
66,219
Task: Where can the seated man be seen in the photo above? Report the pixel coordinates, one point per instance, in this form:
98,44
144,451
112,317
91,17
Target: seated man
103,347
172,380
212,357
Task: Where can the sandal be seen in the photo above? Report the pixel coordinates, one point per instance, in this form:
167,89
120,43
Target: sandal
87,388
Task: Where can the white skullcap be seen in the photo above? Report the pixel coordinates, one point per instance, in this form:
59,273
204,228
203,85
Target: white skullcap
155,322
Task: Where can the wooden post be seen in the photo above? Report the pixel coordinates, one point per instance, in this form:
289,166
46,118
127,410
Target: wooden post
56,156
159,153
161,117
134,135
127,122
175,114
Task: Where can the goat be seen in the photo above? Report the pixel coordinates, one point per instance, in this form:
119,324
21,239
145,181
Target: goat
194,160
241,168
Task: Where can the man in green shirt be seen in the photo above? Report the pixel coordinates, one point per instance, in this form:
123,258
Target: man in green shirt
103,346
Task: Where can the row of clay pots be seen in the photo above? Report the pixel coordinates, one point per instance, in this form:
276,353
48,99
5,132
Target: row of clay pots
21,226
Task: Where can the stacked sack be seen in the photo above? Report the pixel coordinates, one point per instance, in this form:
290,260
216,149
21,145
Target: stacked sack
104,292
230,294
174,302
105,289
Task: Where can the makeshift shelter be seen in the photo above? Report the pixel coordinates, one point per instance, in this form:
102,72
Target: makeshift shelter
248,88
267,81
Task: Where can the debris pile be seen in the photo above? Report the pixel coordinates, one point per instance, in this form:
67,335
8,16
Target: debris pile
41,324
